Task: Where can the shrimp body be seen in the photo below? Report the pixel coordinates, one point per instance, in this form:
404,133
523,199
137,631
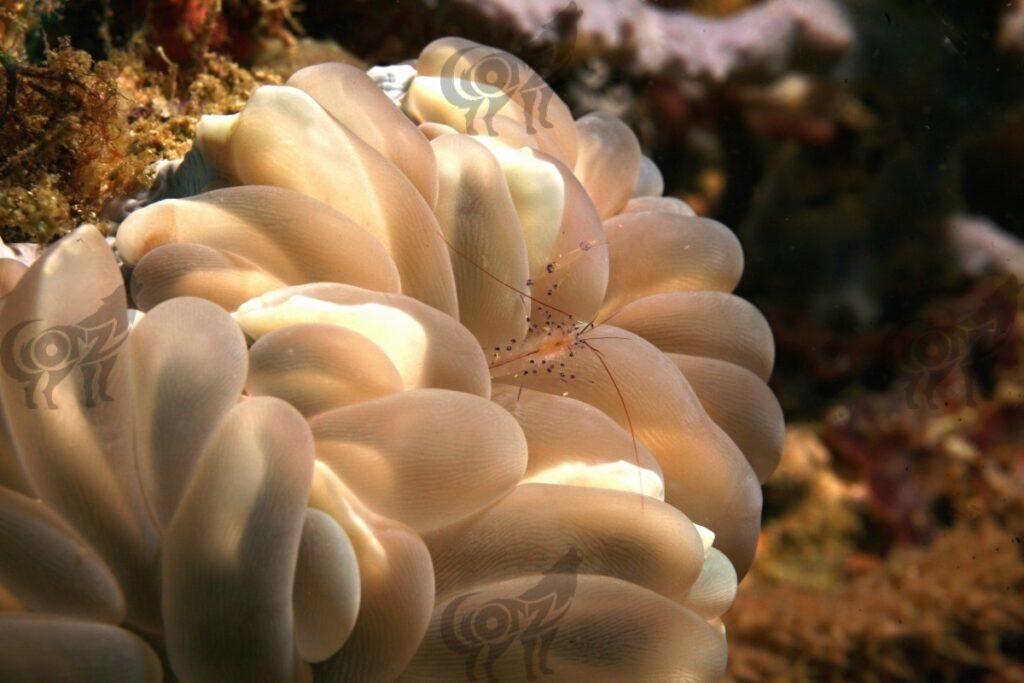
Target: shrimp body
543,350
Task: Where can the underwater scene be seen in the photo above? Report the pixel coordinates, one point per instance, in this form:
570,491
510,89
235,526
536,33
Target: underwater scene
502,341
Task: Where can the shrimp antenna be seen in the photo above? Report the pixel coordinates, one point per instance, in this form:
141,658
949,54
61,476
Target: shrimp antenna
588,326
500,281
629,420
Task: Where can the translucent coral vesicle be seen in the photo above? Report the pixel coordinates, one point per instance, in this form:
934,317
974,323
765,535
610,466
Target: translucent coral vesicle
67,397
284,138
395,455
429,348
610,631
188,368
230,551
528,530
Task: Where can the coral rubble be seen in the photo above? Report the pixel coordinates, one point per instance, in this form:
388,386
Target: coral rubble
949,612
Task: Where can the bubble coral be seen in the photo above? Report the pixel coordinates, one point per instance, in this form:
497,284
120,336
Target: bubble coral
398,370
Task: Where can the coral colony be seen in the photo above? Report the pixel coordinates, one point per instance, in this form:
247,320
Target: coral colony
431,385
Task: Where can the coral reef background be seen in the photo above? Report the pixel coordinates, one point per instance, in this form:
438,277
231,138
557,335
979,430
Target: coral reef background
870,155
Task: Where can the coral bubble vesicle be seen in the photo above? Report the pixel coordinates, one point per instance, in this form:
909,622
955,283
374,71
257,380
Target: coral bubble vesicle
435,387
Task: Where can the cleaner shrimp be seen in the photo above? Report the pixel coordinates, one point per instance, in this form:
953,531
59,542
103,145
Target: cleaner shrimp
592,359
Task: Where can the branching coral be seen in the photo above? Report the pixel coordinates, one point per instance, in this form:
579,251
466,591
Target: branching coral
981,246
498,391
760,41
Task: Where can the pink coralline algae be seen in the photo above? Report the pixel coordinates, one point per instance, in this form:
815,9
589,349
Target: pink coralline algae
763,41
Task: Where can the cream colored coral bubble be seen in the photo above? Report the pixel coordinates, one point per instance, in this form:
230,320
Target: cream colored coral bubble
428,348
488,363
